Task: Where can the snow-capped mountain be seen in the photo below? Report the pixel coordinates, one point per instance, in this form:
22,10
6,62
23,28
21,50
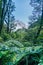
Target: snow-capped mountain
19,25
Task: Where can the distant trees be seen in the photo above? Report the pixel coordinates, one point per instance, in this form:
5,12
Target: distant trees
6,13
37,15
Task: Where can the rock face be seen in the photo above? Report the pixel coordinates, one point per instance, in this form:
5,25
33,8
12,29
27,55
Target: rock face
19,25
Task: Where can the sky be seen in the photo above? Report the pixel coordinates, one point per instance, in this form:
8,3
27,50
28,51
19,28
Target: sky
23,10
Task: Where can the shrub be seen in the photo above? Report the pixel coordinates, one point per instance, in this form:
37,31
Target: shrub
14,43
27,44
13,52
5,36
1,39
13,35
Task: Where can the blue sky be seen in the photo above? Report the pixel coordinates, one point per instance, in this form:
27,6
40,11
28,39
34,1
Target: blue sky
23,10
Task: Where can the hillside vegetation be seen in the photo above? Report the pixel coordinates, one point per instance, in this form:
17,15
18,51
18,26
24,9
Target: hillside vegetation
17,48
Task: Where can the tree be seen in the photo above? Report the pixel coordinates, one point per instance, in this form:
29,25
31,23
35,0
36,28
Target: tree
3,11
6,9
9,15
38,12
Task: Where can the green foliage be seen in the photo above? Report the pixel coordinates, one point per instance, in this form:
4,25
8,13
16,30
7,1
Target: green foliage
20,34
5,36
40,38
12,52
13,35
41,61
27,36
16,48
27,43
1,39
13,43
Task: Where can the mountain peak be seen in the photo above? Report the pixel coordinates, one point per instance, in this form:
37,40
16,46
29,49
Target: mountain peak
19,25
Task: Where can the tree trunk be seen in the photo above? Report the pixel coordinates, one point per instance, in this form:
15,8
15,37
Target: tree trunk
2,17
8,23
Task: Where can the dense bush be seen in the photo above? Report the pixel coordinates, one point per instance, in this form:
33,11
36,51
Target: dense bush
13,35
40,38
5,36
11,54
27,43
1,39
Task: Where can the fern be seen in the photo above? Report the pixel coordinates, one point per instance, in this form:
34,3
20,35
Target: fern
13,43
12,52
